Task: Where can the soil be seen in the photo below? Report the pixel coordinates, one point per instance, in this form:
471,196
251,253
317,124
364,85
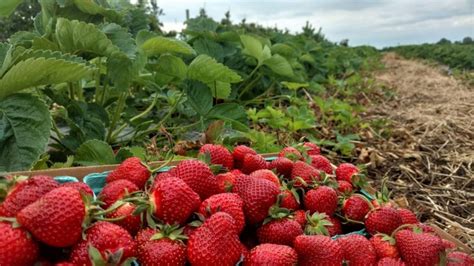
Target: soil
428,160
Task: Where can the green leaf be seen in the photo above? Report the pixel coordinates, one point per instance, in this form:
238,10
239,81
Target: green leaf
160,45
230,112
199,97
121,38
279,65
4,48
120,69
92,8
206,69
143,36
51,68
254,48
127,152
220,90
172,67
25,125
209,47
8,6
294,85
94,152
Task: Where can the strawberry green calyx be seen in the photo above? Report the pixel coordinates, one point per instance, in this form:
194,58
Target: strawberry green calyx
317,224
173,232
387,238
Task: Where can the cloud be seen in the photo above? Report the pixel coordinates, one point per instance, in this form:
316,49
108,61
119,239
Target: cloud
379,23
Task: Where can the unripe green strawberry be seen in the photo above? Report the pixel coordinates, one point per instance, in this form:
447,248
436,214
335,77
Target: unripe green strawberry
318,251
132,170
271,254
420,249
17,247
219,155
322,199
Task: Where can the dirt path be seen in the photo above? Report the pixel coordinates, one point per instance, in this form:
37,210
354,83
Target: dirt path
429,159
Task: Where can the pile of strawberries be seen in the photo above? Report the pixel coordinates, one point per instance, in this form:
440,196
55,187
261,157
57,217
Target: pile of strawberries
237,208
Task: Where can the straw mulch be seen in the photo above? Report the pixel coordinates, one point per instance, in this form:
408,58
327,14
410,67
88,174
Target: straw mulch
428,159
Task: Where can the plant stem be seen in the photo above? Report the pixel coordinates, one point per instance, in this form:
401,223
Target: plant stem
116,115
249,85
248,78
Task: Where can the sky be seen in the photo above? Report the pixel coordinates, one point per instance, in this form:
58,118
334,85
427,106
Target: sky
375,22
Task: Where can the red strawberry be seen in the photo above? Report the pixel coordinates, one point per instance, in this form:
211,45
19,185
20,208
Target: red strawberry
282,165
132,170
143,237
266,174
258,196
113,244
356,208
345,171
81,187
163,247
357,250
56,218
16,246
271,254
239,154
321,199
448,244
26,192
457,258
253,162
219,155
173,201
245,252
229,203
304,171
290,153
318,251
300,217
390,262
215,243
225,181
384,220
311,148
408,217
384,246
116,190
426,228
419,249
279,231
344,187
198,176
289,200
321,163
161,176
132,223
64,263
321,224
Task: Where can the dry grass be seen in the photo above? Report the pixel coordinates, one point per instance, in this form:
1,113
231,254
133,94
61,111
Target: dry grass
429,158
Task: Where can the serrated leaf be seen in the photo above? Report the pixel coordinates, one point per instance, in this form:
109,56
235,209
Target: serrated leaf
40,43
94,152
199,97
252,47
206,69
209,47
4,48
92,8
220,90
121,38
171,66
25,125
143,36
294,85
160,45
8,6
279,65
230,112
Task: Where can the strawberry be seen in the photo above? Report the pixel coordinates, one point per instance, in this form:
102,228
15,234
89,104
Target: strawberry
271,254
289,200
321,224
457,258
245,252
130,221
355,208
448,244
116,190
132,170
344,187
161,247
318,251
56,218
266,174
219,155
321,163
26,192
357,250
198,176
426,228
321,199
304,171
173,201
345,171
290,153
16,246
239,154
279,231
282,165
384,246
384,220
408,217
215,243
258,196
105,243
161,176
253,162
311,148
418,248
225,181
229,203
390,262
81,187
300,217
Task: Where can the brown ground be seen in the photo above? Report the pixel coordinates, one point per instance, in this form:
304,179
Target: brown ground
429,158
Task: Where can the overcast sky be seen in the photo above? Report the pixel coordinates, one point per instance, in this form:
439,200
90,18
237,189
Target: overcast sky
377,22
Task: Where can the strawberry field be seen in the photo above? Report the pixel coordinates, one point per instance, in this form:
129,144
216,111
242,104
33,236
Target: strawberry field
275,148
